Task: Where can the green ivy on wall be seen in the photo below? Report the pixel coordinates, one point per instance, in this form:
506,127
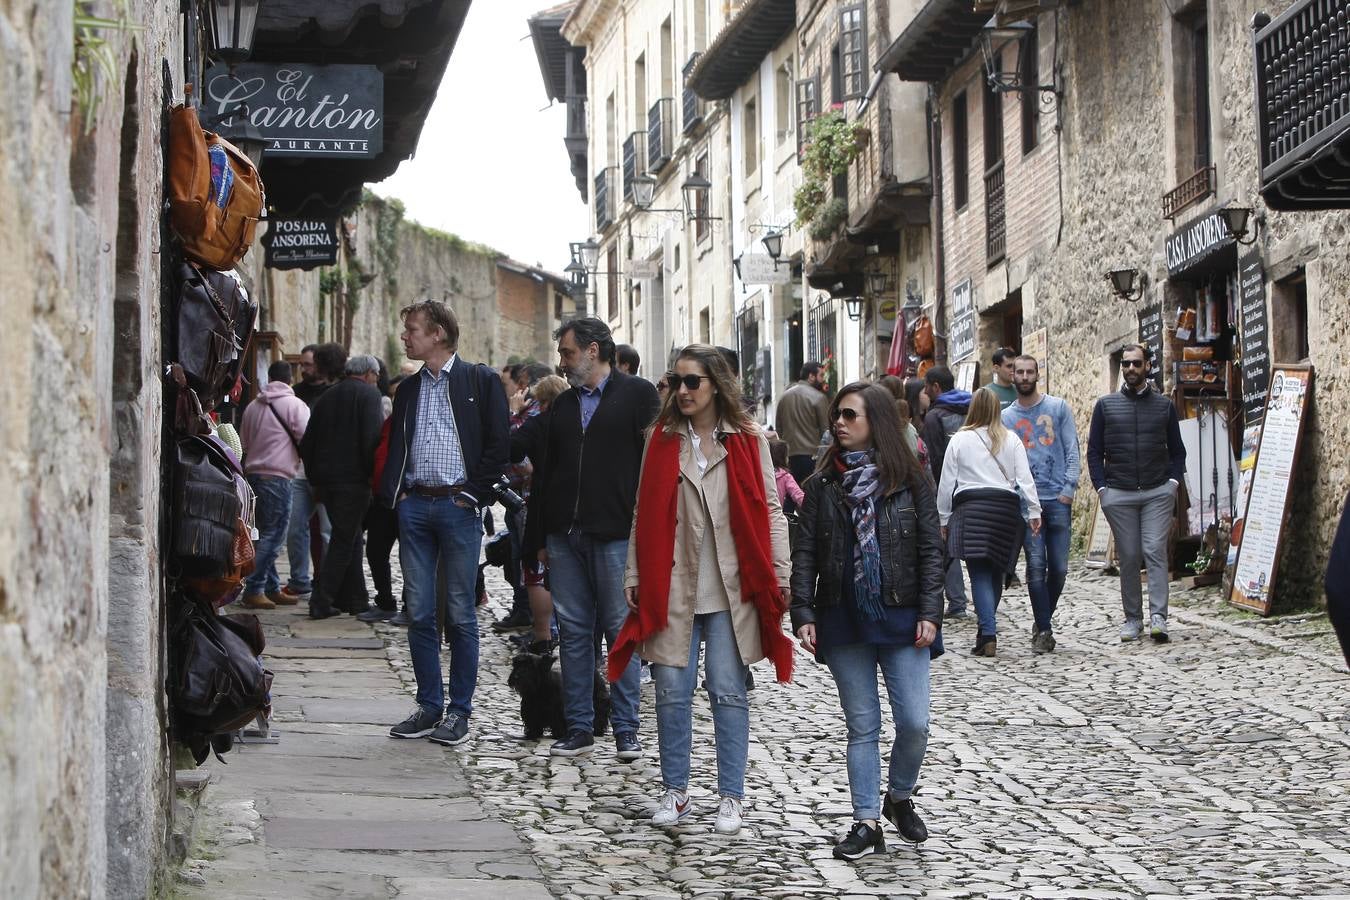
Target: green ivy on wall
832,144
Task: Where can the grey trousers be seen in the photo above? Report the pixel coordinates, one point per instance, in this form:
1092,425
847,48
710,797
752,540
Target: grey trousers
1141,522
956,587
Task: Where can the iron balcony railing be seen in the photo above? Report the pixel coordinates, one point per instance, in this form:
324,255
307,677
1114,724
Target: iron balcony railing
1194,189
1302,65
576,117
693,103
634,161
605,198
660,134
995,216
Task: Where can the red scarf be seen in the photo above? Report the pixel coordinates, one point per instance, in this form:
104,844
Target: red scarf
658,502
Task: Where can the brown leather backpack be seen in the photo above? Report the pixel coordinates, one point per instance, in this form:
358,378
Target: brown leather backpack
215,195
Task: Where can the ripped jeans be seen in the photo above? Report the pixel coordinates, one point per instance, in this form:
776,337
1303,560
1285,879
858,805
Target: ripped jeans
730,707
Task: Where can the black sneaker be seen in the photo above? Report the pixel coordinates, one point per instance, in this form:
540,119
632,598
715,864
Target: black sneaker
627,747
901,814
861,840
418,725
375,614
401,618
575,744
516,620
454,730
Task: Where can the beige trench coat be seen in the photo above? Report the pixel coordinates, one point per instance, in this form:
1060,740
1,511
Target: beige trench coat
670,647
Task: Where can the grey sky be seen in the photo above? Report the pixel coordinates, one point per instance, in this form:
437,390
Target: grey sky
490,167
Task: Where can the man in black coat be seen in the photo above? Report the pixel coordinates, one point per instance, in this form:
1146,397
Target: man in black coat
584,492
1137,461
339,454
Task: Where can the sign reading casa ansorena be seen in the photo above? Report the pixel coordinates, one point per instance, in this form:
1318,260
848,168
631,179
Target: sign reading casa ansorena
1187,246
300,243
302,110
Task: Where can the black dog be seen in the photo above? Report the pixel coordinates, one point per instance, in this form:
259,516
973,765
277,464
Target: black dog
540,689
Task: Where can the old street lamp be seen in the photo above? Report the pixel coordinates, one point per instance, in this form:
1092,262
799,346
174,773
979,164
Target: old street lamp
877,283
576,273
644,191
589,253
992,41
773,244
1235,219
854,307
1127,284
695,190
574,248
232,24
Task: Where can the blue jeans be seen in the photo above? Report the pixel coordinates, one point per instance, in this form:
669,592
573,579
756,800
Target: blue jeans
726,694
1048,560
432,531
905,669
270,517
586,579
297,536
986,585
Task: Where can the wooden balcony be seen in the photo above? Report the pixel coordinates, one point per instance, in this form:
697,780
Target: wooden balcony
1191,191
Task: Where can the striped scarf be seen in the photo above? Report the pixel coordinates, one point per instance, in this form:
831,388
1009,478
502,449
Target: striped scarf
858,474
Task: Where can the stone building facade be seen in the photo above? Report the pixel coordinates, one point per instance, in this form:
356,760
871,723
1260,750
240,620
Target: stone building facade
1158,134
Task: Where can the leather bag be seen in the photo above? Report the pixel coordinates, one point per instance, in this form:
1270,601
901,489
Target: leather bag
923,337
215,194
213,325
206,509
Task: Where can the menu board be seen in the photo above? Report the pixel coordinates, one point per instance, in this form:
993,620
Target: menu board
1261,531
1151,336
1255,341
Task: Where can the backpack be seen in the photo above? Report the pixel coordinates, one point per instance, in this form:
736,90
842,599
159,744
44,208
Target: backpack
212,326
217,681
951,422
215,195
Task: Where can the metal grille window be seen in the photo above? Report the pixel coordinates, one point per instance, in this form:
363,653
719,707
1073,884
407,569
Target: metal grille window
634,161
747,345
612,282
693,104
853,51
995,218
660,134
808,105
604,198
701,224
821,328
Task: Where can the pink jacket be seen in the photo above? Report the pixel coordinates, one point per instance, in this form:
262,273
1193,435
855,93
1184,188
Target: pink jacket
788,487
268,449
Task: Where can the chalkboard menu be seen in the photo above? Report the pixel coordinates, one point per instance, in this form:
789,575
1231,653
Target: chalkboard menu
1151,336
1255,343
1261,530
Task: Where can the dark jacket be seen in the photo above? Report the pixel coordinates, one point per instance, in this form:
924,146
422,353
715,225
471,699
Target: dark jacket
590,479
907,533
1337,582
943,419
986,524
1134,443
343,432
527,442
478,401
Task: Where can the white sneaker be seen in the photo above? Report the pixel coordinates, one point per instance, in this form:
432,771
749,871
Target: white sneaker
674,806
728,816
1130,630
645,677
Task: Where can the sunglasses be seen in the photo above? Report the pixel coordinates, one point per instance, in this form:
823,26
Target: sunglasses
848,415
689,381
1132,363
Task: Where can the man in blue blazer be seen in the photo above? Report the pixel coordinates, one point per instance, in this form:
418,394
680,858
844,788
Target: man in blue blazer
448,445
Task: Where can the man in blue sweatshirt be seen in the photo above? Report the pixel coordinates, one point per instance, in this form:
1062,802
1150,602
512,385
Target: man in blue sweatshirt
1045,425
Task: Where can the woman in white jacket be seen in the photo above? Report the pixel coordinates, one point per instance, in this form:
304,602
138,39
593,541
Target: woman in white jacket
983,473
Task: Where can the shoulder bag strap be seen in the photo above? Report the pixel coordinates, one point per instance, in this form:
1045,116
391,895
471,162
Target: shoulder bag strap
1012,484
284,427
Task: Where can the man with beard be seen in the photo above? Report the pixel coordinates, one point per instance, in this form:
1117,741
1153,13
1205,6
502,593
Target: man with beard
1136,461
585,483
1045,425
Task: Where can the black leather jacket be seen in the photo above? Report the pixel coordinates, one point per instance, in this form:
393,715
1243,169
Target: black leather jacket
907,533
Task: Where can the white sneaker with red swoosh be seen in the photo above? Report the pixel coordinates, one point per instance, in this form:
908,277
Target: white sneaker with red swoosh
674,806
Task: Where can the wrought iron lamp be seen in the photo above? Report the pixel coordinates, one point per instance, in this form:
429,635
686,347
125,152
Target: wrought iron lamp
695,190
773,244
1123,283
877,282
854,306
1235,219
992,41
232,26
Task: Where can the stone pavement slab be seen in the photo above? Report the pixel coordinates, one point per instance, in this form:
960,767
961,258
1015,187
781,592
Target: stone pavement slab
412,833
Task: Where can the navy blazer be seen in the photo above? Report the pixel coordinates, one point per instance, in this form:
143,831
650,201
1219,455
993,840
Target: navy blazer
481,419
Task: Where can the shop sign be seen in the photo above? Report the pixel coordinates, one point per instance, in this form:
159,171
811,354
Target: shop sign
1254,346
303,110
1188,246
300,243
759,268
640,269
961,332
1151,336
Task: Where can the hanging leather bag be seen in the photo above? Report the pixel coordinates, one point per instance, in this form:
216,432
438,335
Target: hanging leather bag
206,509
215,194
923,337
213,325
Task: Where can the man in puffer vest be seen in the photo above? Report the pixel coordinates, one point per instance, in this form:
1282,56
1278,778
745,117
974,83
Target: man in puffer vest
1136,461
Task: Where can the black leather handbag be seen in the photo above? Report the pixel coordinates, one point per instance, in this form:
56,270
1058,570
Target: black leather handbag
206,508
213,325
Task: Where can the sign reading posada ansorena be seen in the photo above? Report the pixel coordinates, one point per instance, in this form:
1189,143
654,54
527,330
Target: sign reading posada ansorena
300,243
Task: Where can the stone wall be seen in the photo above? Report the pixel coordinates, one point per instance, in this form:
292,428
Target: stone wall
84,769
1119,156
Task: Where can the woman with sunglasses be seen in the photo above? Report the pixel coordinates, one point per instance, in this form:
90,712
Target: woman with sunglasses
867,595
707,564
983,472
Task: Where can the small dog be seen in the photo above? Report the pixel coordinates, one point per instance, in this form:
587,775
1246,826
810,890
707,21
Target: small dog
539,684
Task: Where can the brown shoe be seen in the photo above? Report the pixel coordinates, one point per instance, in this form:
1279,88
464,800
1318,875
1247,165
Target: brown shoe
257,601
281,598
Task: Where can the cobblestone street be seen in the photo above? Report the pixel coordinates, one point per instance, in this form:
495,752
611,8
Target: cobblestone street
1214,766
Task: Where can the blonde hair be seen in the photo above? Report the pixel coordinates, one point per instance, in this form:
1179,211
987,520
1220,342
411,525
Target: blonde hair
987,412
547,389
